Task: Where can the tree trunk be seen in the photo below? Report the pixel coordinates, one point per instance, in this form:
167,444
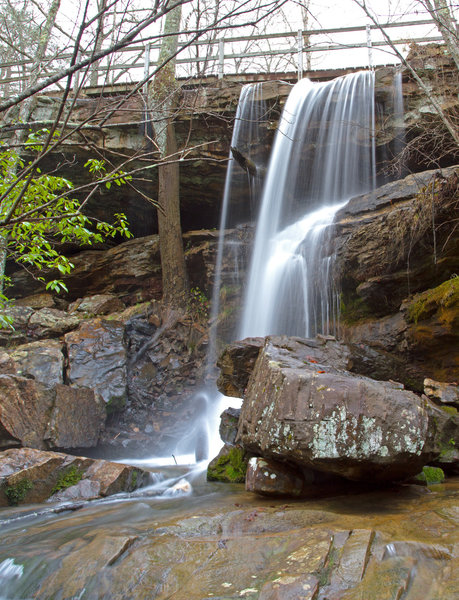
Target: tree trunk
175,284
161,102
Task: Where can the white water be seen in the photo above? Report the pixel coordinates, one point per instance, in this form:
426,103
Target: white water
322,156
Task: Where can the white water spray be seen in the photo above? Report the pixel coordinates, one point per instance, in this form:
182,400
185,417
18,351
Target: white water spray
322,156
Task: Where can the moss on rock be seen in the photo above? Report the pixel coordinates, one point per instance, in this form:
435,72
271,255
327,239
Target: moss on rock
17,492
229,466
431,475
443,300
67,478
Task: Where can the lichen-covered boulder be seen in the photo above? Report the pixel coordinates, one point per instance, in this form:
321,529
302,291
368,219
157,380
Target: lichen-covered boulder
311,412
28,476
97,360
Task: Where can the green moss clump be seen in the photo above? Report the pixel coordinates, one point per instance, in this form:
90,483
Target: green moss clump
352,310
444,296
431,475
230,467
17,492
67,478
450,410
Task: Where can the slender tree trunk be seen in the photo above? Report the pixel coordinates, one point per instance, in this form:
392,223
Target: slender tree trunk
161,101
170,234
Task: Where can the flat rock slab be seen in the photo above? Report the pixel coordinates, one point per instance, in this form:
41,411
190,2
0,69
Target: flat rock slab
31,476
377,546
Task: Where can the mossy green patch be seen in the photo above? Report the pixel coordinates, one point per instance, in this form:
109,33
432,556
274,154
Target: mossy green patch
17,492
450,410
230,467
443,298
70,476
431,475
353,309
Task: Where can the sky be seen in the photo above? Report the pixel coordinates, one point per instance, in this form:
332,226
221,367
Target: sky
323,14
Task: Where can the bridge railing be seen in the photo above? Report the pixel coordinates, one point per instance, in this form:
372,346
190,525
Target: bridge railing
312,49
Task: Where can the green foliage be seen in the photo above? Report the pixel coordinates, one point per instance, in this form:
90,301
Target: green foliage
67,478
38,212
229,467
17,492
431,475
198,304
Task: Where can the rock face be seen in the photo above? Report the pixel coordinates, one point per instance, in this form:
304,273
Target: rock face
385,245
77,418
303,407
97,360
34,415
42,360
29,476
24,407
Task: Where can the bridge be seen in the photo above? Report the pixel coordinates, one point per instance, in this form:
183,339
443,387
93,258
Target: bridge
293,52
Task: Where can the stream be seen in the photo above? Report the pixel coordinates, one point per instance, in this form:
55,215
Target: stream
184,538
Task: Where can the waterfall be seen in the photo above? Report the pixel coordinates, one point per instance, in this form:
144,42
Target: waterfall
323,155
247,140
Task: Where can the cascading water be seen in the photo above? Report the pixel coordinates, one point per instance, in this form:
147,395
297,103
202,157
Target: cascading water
322,156
247,142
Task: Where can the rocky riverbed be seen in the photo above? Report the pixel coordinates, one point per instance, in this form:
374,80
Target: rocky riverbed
221,542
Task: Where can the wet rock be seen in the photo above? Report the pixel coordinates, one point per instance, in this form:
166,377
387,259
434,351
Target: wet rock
7,364
42,360
305,409
28,476
100,304
445,393
229,420
130,267
77,418
24,408
19,316
37,301
382,256
271,478
97,360
236,364
238,359
51,322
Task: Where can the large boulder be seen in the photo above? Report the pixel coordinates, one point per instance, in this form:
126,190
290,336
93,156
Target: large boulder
97,360
43,360
41,417
24,409
77,418
303,407
29,476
